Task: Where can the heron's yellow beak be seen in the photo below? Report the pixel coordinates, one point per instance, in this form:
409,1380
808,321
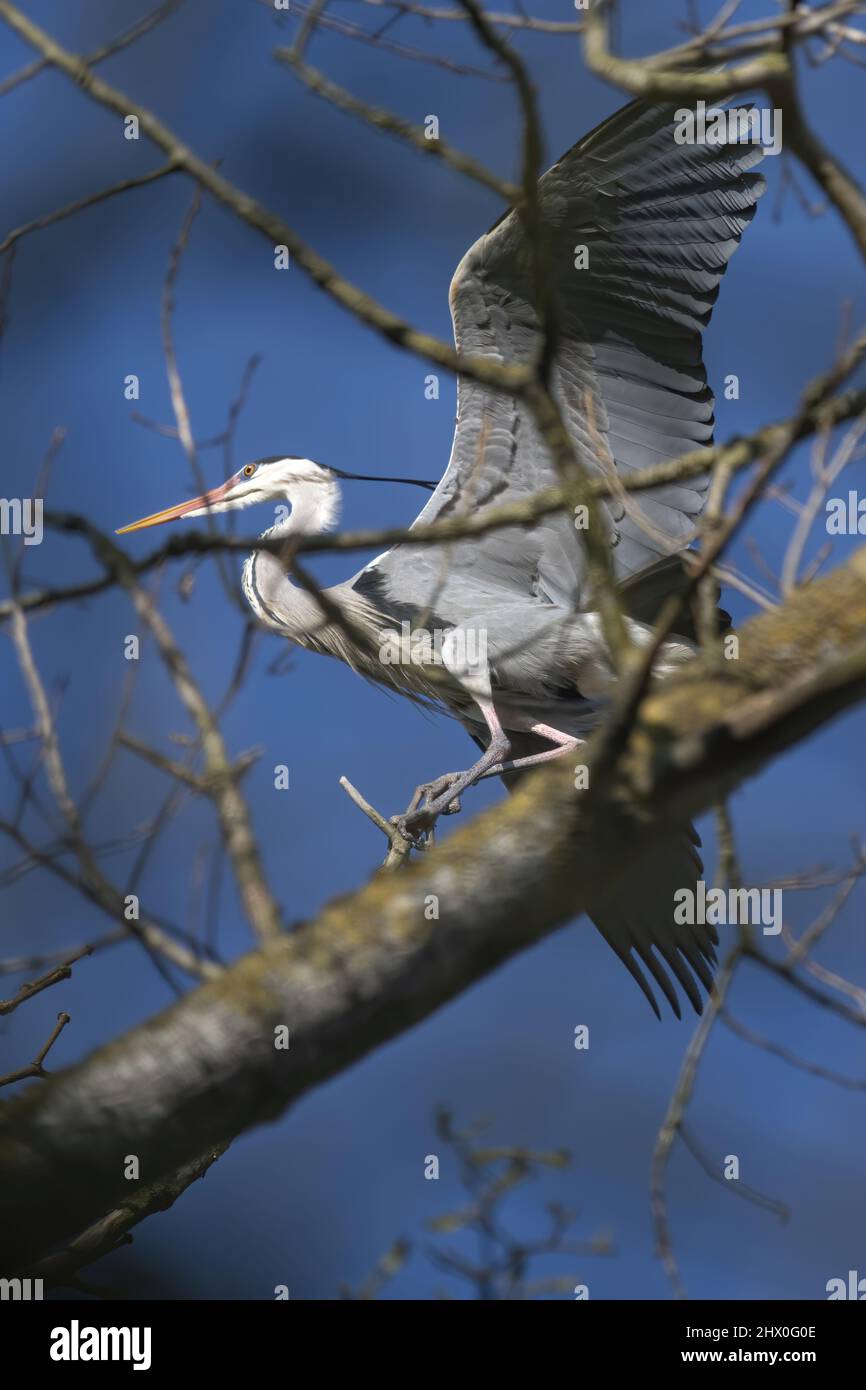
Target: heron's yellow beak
207,501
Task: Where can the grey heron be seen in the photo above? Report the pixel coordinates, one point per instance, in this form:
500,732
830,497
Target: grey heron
657,222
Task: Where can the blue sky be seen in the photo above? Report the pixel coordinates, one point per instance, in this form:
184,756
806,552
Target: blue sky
314,1200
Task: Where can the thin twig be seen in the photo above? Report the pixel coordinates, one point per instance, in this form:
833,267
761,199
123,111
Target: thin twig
89,200
129,36
53,977
36,1068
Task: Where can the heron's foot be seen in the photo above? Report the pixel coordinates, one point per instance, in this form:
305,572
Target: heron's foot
442,797
430,801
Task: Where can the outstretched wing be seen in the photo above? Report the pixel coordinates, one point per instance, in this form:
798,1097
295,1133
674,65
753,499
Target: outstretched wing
653,223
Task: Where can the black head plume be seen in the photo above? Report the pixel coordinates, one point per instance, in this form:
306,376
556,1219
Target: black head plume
380,478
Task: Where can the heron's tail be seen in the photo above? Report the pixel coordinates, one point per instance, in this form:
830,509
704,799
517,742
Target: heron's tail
638,921
636,916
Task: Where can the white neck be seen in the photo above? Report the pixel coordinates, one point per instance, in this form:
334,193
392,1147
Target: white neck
274,599
315,507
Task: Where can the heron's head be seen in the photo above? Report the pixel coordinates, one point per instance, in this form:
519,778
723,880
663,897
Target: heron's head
311,489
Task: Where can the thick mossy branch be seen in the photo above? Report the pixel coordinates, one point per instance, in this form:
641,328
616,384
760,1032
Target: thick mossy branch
378,961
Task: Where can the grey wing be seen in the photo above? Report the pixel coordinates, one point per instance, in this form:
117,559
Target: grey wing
659,222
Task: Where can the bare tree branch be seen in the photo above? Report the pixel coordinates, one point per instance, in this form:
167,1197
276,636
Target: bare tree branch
508,377
89,200
53,977
36,1068
99,55
373,964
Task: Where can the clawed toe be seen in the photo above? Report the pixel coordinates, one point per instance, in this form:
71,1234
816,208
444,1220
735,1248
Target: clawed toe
413,827
424,808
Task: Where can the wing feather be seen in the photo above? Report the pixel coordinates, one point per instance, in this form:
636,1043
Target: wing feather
659,222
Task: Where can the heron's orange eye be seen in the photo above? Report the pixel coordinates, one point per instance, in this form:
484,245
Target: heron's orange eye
249,470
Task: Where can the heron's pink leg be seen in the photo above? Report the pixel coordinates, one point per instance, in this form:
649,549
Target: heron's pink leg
456,782
565,743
